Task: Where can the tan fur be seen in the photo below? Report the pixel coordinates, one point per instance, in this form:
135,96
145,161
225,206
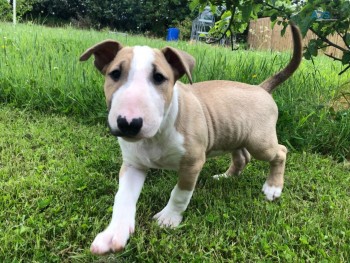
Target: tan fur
123,62
223,118
205,119
235,117
214,116
220,122
270,84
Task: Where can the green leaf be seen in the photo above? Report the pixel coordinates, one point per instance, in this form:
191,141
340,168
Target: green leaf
312,47
226,14
246,11
346,58
44,203
307,55
283,31
274,17
304,21
193,4
304,240
347,39
24,229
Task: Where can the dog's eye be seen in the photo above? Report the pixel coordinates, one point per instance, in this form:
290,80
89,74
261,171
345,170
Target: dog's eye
158,78
115,74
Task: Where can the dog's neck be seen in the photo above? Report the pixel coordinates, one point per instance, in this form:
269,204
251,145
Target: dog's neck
170,115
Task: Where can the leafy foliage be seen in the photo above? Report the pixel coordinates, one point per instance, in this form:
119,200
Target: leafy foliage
234,15
5,10
237,14
40,70
339,23
123,15
22,7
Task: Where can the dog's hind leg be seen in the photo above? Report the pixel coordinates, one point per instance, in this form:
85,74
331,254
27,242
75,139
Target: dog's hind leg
171,215
277,156
239,159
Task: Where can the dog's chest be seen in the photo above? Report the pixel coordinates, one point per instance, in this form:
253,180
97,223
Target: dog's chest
162,152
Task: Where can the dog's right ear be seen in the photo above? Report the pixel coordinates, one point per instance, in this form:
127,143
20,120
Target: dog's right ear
104,53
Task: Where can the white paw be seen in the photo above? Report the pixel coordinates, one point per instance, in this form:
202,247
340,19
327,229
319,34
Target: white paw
168,218
219,176
271,192
112,239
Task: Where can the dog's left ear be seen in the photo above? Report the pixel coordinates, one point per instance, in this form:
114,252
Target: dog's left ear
181,62
104,53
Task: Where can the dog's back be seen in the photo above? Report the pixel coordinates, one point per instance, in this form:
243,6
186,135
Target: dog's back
238,114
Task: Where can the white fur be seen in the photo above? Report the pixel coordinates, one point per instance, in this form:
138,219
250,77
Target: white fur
164,150
171,215
138,98
271,192
115,236
220,176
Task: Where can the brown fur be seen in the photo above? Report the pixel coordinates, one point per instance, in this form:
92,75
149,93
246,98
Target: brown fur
225,116
204,119
270,84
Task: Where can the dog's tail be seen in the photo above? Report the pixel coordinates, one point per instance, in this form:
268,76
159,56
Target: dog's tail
271,83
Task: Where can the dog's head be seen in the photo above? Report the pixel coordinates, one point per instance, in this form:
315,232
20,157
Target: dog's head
139,83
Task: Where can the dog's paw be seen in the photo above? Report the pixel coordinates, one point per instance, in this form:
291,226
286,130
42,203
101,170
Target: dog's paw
220,176
112,239
168,218
271,192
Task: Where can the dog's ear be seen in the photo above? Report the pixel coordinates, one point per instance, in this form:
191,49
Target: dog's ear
104,53
180,61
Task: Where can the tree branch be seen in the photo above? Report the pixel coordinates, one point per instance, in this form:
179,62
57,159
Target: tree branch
227,29
276,8
344,70
324,39
342,36
333,57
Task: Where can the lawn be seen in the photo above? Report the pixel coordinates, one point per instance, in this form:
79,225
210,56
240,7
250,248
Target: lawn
40,70
59,165
59,177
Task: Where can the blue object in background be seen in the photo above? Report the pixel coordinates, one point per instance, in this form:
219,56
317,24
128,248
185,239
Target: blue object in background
321,15
173,34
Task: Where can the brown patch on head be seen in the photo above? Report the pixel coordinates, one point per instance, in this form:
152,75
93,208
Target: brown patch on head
172,64
112,60
104,52
121,63
162,66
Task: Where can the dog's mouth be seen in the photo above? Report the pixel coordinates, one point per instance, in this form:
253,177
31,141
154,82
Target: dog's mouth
131,133
125,136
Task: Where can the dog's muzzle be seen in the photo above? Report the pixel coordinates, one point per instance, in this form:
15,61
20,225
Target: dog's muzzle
126,129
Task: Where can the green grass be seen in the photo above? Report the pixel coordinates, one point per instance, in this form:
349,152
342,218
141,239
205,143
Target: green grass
40,70
59,165
59,177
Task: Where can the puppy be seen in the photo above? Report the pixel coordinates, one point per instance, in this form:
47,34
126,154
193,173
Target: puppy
163,123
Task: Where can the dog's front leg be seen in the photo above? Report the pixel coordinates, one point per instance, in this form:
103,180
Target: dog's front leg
115,236
171,215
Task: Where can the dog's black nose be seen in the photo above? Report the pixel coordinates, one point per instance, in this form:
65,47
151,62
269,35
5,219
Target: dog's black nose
129,129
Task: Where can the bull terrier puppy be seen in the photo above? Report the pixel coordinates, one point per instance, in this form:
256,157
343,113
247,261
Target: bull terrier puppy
163,123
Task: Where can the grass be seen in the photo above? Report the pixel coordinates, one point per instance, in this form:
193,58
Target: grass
59,166
40,70
59,177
